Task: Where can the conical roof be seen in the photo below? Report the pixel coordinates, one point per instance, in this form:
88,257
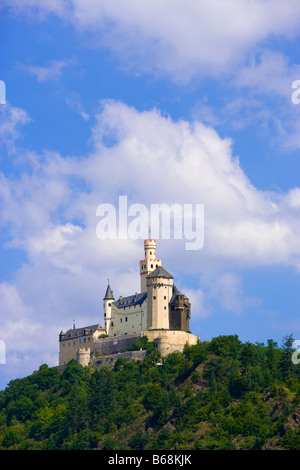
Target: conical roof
160,272
109,294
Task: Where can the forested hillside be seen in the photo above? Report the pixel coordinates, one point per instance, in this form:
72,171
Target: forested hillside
218,395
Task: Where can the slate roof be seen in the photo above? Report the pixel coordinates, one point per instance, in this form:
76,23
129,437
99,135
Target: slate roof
175,292
160,272
135,299
77,332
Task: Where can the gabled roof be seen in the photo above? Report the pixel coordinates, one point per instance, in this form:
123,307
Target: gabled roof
131,300
160,272
86,330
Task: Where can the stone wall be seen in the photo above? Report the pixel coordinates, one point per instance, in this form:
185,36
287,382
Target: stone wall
108,346
169,341
109,361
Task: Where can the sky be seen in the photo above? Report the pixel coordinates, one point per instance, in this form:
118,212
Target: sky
174,102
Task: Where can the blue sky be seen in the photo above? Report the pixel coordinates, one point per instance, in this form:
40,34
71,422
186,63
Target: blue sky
176,102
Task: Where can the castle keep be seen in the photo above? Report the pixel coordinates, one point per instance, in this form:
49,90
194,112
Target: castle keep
160,312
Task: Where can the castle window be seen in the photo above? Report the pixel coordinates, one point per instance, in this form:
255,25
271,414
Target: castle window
121,319
165,308
154,297
150,252
151,265
126,318
112,323
165,297
109,304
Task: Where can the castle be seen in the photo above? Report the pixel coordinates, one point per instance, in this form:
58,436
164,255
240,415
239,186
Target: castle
160,312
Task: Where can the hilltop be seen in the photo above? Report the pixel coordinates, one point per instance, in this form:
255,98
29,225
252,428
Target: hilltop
224,394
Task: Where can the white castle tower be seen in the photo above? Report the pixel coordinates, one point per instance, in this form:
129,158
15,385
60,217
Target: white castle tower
149,264
159,294
107,301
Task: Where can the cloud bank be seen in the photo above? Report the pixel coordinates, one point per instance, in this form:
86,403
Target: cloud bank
49,212
181,39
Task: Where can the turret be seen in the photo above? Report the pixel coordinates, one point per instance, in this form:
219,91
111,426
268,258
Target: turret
149,263
107,301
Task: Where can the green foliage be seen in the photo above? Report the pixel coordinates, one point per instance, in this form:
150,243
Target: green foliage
142,343
218,395
291,440
225,346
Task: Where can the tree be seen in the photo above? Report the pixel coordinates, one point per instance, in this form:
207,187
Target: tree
102,394
141,343
286,356
77,413
153,356
225,345
212,383
272,358
248,355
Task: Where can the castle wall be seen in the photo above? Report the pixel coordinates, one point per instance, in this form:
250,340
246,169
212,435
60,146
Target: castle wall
69,343
68,349
109,361
116,345
168,341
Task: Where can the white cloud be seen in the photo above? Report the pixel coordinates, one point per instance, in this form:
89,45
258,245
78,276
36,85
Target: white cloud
293,197
242,224
228,290
12,118
50,212
50,72
180,38
273,73
73,101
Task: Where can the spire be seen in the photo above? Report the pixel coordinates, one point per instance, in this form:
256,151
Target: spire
109,293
